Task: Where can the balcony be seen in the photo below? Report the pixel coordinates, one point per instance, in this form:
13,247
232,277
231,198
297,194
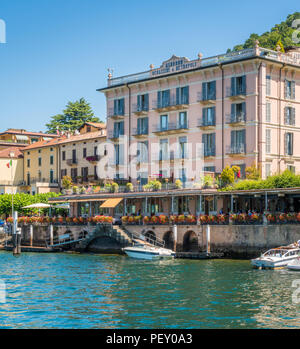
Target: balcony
140,109
93,158
44,182
139,133
115,114
209,152
170,104
71,162
206,123
171,128
206,100
236,119
239,149
236,94
114,136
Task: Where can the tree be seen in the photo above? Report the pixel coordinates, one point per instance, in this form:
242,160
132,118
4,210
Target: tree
252,172
280,34
73,117
227,176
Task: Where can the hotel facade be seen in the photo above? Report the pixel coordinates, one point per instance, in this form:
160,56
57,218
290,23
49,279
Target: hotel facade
185,117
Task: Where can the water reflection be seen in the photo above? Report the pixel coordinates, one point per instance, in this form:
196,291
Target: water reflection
93,291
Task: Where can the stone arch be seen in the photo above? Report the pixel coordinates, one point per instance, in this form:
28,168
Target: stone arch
169,239
150,235
190,242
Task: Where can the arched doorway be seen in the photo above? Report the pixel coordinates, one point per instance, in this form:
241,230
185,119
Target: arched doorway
190,242
169,240
150,236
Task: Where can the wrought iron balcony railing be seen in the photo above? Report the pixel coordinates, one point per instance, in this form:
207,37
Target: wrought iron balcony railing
235,118
236,149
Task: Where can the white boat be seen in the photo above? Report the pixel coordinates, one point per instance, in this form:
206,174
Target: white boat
148,252
294,264
276,258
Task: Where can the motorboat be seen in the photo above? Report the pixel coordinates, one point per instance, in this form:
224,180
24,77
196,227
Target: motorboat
143,251
294,264
276,258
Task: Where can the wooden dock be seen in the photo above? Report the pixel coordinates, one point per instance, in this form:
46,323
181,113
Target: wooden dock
31,249
198,255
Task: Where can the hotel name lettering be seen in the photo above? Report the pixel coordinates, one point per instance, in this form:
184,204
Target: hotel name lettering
174,66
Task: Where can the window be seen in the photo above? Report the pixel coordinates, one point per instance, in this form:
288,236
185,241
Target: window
142,126
119,106
143,102
84,173
289,89
39,176
289,143
51,159
163,149
95,151
39,151
291,168
182,120
63,155
63,173
28,163
268,170
182,95
142,151
209,169
183,148
209,142
88,129
28,178
268,112
163,122
51,176
238,112
74,175
268,141
84,153
118,129
163,99
238,142
51,149
209,90
119,154
95,173
209,116
74,156
289,116
238,85
40,161
268,85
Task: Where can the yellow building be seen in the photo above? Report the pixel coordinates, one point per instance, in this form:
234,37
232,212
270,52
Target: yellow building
11,173
41,167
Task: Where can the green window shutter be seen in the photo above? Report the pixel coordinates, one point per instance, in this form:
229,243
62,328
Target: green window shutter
204,91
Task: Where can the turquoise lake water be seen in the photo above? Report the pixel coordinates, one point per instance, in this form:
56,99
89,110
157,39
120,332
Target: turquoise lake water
108,291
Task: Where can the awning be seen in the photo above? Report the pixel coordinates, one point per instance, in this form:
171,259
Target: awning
21,138
111,203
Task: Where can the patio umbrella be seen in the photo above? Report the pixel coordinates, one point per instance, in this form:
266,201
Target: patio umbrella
38,205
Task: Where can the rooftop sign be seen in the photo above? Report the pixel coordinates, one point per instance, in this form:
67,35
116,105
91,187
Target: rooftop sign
175,64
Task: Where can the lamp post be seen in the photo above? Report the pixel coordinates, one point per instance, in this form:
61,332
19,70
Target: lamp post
12,154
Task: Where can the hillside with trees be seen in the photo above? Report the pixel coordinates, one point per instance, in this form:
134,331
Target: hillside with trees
280,34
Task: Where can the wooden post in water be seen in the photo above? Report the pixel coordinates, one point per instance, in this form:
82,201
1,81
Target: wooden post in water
208,238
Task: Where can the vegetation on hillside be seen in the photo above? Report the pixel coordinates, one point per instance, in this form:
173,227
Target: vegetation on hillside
280,34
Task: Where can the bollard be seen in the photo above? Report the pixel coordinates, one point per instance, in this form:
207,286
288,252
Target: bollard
208,238
31,234
175,236
51,234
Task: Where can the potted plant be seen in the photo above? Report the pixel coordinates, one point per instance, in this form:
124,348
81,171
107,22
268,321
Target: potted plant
67,184
114,187
156,185
75,189
146,220
129,187
178,184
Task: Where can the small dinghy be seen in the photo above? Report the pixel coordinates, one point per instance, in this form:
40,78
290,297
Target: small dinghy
148,252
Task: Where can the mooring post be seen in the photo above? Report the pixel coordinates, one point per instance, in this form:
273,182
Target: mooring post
175,236
16,235
208,238
51,234
31,234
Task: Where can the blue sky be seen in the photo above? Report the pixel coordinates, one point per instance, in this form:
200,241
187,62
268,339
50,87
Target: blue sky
59,50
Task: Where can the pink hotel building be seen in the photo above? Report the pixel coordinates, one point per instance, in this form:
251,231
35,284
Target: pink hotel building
244,107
